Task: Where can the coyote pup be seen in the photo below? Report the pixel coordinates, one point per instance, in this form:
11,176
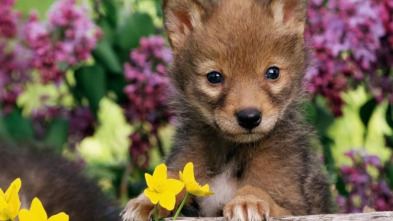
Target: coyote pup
237,76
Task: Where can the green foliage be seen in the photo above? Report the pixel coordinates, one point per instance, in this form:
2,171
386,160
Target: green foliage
110,12
137,25
57,134
91,81
367,110
105,55
317,115
18,127
389,115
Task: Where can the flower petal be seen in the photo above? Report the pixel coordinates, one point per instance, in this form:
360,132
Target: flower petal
205,188
13,189
201,191
174,186
37,210
188,173
181,176
2,195
6,213
3,203
24,215
159,175
12,199
149,181
14,205
153,196
167,200
59,217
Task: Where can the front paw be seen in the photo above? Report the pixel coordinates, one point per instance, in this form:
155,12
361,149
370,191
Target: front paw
249,207
141,209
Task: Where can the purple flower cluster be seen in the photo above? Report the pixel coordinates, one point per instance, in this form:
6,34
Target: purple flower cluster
147,89
139,148
351,47
81,125
51,48
66,40
8,19
387,19
14,58
364,189
42,117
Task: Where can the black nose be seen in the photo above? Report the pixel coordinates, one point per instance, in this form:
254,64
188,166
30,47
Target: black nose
249,118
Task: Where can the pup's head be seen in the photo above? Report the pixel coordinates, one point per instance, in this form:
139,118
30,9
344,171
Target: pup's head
238,63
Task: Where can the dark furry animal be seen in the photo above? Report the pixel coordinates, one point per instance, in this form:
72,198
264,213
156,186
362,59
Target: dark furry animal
238,87
57,182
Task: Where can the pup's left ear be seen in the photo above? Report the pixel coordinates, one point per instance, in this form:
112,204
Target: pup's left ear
181,17
291,13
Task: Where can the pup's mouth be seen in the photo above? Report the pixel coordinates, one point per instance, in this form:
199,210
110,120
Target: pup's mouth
247,137
233,131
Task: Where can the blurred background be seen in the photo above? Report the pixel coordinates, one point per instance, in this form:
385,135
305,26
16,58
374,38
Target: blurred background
89,79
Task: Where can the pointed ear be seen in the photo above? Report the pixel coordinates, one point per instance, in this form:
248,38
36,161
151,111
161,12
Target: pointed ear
291,13
181,17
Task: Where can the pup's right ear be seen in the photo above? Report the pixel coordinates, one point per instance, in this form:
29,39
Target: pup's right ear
181,17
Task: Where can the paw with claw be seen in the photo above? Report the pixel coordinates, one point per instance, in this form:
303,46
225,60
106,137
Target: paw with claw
141,209
243,208
251,203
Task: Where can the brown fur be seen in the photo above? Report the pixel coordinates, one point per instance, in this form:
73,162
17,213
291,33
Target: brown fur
58,183
272,167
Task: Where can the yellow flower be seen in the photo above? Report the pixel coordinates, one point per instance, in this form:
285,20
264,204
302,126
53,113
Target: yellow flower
9,201
190,183
38,213
162,190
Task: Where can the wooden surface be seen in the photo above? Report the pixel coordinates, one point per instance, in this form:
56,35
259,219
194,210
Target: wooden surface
375,216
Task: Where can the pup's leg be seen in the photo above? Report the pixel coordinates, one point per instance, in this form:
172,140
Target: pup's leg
251,203
141,208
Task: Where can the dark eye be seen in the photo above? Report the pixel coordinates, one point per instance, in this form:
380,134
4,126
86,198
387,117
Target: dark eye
272,73
214,77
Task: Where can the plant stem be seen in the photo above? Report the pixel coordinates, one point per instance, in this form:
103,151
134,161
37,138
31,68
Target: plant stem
181,206
156,212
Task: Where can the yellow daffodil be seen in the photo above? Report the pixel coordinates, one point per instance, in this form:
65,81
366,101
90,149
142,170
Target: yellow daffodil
38,213
162,190
9,201
187,177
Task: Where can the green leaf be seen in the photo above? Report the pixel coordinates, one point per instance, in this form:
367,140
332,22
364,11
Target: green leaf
136,26
57,134
107,30
341,187
18,127
388,141
367,110
309,112
389,173
389,115
105,55
328,155
91,81
110,12
324,119
159,8
116,83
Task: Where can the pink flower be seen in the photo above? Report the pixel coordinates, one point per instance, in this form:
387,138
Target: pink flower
146,91
351,43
